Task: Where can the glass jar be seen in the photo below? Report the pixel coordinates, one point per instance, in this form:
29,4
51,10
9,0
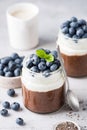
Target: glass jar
74,53
43,94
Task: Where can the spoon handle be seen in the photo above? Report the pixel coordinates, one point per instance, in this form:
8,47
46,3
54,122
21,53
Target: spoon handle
62,65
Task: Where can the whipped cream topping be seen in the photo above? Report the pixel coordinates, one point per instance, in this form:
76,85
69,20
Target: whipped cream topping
39,83
69,46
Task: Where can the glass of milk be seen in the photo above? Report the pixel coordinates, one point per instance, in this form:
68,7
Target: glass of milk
22,20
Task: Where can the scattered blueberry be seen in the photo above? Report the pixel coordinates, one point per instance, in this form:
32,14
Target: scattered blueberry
65,30
80,33
17,72
73,19
42,66
55,54
19,121
35,69
53,67
6,104
15,106
11,92
4,112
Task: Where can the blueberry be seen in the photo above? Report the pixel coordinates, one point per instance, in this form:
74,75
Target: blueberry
6,104
8,74
15,106
81,22
5,60
12,66
35,59
42,66
22,58
11,92
68,35
42,59
35,69
65,30
65,24
1,73
31,55
85,28
73,19
46,73
74,24
54,53
71,31
19,121
85,35
18,60
57,62
75,37
6,69
14,56
48,64
47,51
1,66
4,112
53,67
79,33
29,64
17,72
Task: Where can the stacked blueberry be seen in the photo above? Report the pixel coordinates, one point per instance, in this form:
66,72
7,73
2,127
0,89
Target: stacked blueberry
11,66
75,28
38,64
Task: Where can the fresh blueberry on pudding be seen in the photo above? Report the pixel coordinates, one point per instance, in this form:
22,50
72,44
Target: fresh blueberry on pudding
72,40
43,82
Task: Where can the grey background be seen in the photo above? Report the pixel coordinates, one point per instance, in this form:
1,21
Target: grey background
52,13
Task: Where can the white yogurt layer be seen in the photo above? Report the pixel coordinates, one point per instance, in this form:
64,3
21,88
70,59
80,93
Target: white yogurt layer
69,47
40,83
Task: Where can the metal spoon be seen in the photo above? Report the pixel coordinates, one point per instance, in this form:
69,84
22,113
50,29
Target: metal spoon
71,98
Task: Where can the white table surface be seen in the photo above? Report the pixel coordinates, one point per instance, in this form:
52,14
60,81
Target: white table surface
51,16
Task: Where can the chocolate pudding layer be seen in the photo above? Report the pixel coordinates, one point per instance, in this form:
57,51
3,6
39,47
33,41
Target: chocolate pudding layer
43,102
76,66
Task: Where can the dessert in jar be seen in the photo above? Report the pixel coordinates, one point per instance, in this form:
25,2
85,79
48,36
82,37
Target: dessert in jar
43,82
72,40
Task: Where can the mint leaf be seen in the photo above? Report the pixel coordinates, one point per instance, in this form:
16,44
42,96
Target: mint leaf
47,57
41,53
